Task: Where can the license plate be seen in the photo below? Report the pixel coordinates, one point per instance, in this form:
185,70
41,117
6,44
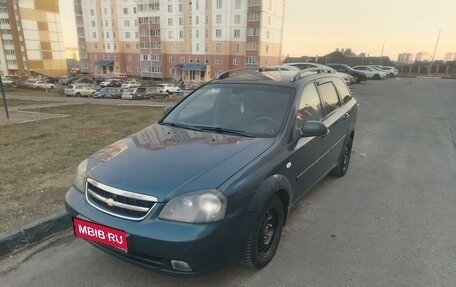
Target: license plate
100,234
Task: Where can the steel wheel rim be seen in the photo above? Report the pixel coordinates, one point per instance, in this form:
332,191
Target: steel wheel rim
267,232
347,153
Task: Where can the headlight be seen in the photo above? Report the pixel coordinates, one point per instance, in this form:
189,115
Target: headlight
81,176
196,207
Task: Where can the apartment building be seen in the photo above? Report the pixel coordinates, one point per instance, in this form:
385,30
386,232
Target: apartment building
189,40
31,38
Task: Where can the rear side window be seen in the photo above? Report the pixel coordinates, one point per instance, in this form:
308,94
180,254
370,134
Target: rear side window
329,97
309,105
342,89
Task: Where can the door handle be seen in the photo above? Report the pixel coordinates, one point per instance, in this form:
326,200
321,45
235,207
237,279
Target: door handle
346,116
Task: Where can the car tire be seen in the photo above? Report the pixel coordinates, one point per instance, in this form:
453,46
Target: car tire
264,239
344,159
77,95
391,75
376,77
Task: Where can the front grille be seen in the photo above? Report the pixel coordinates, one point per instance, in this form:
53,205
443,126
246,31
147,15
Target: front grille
117,202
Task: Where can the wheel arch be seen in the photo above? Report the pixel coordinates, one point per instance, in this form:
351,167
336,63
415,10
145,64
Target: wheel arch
274,185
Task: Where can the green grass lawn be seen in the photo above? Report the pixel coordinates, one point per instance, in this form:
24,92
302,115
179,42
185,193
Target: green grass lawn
15,103
38,159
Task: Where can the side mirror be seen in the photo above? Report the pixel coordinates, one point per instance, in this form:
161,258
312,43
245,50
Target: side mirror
313,129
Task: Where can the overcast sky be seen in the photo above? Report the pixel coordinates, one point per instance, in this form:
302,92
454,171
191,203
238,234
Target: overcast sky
317,27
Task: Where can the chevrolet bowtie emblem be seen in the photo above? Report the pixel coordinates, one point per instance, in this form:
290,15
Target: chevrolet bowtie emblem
109,201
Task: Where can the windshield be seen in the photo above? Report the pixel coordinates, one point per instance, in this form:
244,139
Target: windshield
250,110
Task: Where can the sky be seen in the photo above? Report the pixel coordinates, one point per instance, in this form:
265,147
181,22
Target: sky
318,27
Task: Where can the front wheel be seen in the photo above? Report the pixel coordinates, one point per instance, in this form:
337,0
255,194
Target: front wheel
344,159
265,237
376,77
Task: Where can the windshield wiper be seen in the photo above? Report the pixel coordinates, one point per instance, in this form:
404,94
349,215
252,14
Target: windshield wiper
183,126
226,131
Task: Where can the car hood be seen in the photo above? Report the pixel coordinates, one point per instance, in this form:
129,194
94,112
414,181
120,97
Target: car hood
165,161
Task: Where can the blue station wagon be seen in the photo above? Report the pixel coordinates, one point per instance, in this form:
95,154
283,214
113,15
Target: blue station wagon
214,179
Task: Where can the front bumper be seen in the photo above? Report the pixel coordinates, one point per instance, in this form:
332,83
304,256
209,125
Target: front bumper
154,242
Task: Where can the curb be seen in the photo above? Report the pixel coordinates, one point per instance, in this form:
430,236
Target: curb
33,233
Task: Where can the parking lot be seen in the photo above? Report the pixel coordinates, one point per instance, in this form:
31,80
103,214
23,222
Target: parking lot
389,222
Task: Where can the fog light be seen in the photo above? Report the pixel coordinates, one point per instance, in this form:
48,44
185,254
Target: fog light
181,265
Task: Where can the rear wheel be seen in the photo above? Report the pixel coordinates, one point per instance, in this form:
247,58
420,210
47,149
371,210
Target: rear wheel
344,159
376,77
77,95
265,237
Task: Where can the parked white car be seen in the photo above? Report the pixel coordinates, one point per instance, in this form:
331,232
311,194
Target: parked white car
371,72
79,90
44,85
7,81
131,84
391,71
168,88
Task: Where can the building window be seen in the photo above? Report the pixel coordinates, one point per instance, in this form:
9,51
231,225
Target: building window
197,60
171,59
197,5
197,33
252,46
127,35
218,33
127,23
237,19
235,47
251,60
218,19
197,20
181,21
170,8
92,12
93,23
253,16
181,34
218,47
94,35
170,34
237,4
235,61
95,45
206,47
254,2
181,47
237,33
182,60
181,9
197,47
190,60
253,31
218,4
268,34
125,11
206,60
218,61
170,21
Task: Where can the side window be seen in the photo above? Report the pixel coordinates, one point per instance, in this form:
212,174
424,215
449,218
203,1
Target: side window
342,89
309,105
329,97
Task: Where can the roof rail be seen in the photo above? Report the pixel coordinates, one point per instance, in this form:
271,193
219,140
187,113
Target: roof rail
309,71
228,73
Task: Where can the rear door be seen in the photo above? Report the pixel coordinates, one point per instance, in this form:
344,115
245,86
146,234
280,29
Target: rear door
334,118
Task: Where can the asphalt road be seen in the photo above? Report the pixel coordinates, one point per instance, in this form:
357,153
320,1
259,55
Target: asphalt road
391,221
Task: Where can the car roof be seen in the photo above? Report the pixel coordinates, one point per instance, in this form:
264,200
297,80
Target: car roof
276,78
